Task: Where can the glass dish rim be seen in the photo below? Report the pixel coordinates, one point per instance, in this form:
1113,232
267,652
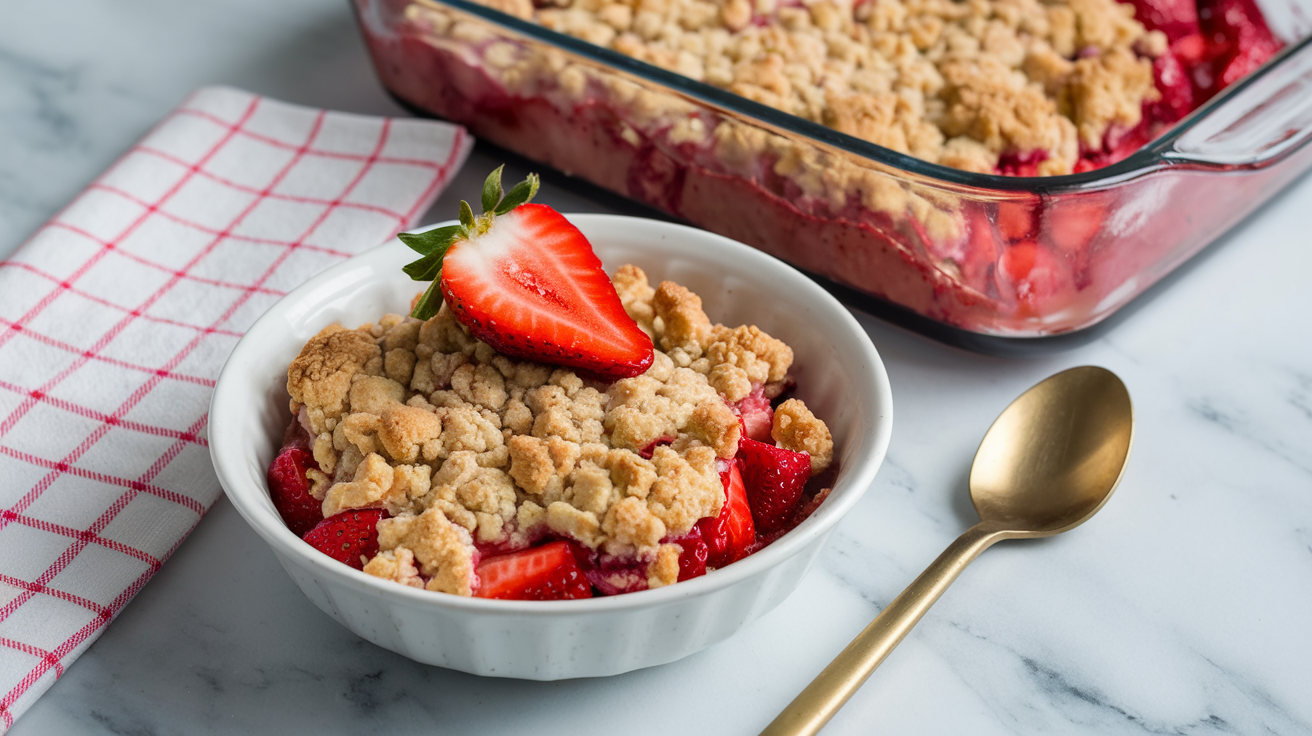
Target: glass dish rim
1146,160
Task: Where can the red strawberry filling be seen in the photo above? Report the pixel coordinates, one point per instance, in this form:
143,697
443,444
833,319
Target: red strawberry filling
1212,44
766,495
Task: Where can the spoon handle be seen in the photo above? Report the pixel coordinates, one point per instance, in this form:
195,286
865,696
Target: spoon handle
815,705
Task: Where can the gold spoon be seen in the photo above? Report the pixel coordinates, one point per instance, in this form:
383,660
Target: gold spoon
1048,463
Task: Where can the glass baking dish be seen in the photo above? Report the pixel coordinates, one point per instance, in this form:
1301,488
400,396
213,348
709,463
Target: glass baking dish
991,262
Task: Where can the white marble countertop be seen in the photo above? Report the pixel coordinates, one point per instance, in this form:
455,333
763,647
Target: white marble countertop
1183,608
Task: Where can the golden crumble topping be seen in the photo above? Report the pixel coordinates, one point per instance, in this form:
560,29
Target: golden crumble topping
797,429
397,565
320,377
957,82
463,445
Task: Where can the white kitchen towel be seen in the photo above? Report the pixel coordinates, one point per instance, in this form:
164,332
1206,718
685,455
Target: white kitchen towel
116,317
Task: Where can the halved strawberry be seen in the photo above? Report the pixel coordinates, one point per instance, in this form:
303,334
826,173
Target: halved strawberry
350,537
774,478
289,489
728,535
547,573
525,281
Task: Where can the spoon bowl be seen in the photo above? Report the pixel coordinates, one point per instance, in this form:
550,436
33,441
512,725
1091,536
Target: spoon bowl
1054,456
1048,463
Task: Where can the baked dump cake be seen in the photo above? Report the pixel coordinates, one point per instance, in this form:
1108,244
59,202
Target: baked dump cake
421,454
1021,87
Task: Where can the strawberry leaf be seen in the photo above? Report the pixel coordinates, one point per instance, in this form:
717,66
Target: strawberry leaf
430,241
492,190
519,194
426,268
434,244
430,302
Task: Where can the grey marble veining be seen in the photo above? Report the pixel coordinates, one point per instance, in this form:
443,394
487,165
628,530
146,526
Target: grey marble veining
1182,609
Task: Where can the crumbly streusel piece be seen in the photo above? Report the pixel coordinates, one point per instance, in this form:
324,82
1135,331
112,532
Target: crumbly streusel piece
797,429
686,326
1107,90
397,565
378,485
762,358
320,377
664,570
636,295
444,550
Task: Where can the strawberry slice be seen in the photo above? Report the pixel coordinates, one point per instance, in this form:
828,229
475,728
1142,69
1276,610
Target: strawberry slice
728,535
774,478
525,281
547,573
350,537
289,488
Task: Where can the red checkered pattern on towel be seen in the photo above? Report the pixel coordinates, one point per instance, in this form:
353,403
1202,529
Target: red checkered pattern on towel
116,317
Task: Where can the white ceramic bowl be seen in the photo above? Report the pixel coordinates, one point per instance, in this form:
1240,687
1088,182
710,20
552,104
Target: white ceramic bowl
839,376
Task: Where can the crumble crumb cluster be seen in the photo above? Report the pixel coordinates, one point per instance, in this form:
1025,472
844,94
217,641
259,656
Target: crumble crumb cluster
463,445
961,83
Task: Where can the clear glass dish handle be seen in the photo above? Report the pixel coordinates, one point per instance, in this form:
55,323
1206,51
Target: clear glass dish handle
1262,123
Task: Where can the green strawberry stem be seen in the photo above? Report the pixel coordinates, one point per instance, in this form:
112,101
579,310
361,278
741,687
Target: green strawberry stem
433,244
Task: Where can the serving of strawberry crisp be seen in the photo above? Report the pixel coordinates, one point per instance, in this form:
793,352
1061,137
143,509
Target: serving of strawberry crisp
535,429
